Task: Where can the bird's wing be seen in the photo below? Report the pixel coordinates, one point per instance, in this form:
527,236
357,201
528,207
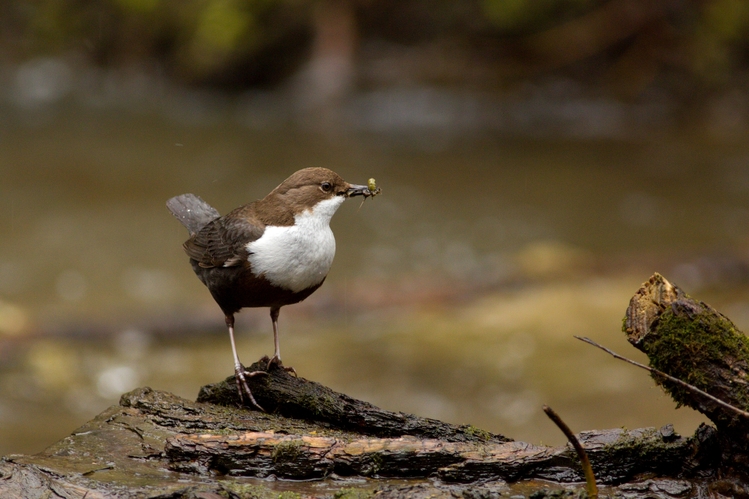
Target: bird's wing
223,242
192,212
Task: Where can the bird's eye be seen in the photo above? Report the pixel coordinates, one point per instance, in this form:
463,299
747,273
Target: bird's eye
326,186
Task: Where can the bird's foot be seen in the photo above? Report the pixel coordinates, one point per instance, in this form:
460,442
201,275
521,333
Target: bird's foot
275,360
240,376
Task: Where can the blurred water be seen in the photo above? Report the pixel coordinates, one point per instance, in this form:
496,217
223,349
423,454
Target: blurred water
454,295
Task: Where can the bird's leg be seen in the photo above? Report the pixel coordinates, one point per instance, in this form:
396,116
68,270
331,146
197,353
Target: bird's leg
239,370
274,312
276,359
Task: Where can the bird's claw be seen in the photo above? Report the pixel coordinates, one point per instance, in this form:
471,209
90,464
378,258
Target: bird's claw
240,376
275,360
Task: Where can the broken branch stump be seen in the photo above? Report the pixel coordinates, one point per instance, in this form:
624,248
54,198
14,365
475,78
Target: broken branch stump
695,343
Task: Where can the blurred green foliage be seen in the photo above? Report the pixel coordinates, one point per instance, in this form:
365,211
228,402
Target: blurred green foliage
195,40
242,43
522,15
721,39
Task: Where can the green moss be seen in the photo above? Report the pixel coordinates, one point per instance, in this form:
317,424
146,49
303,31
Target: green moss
249,491
686,346
326,404
319,403
353,493
478,433
287,451
373,464
639,444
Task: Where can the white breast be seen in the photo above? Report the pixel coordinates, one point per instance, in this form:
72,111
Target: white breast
299,256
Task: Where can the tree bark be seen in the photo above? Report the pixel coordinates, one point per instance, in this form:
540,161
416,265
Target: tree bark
617,454
691,341
282,393
154,444
695,343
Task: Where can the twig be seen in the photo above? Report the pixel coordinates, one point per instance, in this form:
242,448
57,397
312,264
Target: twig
590,479
679,382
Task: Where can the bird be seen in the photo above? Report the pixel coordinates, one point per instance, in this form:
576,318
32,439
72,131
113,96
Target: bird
272,252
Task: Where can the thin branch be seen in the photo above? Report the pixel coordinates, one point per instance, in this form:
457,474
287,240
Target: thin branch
679,382
590,479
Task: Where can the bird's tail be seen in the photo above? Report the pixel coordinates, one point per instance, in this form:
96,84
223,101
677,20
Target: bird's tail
192,212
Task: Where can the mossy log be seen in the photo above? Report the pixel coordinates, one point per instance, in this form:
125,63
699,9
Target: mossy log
154,444
695,343
689,340
617,454
282,393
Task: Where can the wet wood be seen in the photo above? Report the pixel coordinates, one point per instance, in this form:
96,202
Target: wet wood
690,340
303,457
154,444
294,397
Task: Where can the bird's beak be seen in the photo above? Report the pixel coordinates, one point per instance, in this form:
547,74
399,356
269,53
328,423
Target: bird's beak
359,190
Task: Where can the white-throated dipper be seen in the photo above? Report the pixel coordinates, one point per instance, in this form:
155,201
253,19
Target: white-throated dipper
273,252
